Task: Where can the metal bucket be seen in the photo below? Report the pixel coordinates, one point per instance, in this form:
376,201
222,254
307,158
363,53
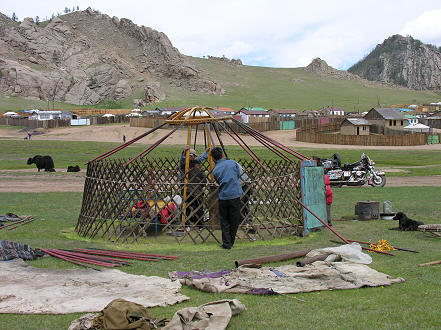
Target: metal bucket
367,210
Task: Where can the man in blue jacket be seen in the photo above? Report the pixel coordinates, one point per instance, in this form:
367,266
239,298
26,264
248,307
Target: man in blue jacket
227,173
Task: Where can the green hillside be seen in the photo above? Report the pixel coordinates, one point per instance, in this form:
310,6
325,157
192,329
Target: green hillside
264,87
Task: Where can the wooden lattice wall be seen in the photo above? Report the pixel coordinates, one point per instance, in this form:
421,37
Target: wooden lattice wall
111,190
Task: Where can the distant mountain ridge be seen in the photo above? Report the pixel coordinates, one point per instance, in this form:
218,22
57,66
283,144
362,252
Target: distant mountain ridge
86,57
403,61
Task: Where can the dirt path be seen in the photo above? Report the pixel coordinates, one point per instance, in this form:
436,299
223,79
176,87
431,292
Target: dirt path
31,181
115,133
24,181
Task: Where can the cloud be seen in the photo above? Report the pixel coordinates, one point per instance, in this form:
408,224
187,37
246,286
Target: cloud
426,27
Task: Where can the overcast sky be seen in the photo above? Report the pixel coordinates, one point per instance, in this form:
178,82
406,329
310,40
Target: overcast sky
276,33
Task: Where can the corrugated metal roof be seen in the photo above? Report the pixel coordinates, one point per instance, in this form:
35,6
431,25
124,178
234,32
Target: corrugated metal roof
358,121
331,108
390,113
285,111
171,109
254,112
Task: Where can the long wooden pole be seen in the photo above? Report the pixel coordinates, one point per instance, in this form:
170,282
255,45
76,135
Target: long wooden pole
210,158
116,149
431,263
187,167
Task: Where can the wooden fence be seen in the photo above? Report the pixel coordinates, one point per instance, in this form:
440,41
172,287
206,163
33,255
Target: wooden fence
364,140
149,122
321,124
109,120
100,112
24,122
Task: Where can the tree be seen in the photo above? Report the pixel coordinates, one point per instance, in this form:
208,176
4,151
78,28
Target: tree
66,10
14,17
78,7
37,20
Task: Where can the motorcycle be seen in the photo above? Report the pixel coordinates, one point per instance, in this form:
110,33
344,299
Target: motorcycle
356,174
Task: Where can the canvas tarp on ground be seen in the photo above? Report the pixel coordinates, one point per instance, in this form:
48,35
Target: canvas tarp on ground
211,316
28,290
288,279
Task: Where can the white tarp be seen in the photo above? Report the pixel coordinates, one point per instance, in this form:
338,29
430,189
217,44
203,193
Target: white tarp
10,113
28,290
421,128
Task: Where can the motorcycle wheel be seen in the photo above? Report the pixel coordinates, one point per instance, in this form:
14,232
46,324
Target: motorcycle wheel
380,181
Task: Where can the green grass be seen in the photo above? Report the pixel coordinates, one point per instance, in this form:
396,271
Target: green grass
412,304
15,153
273,88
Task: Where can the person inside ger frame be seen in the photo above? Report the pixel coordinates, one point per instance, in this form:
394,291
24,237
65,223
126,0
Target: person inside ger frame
193,156
227,174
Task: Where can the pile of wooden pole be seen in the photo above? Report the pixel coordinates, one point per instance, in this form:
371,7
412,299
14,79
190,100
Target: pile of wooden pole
103,258
18,223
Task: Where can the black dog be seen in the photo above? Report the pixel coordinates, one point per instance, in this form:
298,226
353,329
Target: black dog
75,168
406,224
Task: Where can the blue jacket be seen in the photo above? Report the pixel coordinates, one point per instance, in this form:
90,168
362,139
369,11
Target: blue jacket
227,173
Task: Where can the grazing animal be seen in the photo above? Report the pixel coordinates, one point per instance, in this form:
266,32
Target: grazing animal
75,168
406,224
42,162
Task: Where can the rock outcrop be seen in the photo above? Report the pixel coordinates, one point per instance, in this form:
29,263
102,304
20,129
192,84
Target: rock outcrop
86,57
320,67
403,61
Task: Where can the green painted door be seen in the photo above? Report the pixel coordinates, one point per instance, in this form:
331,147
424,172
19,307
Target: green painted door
284,125
432,139
313,194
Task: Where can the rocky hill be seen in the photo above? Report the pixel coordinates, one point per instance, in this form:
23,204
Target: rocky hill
403,61
86,57
320,67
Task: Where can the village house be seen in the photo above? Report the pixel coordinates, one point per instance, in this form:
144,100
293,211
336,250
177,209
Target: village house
355,126
331,112
44,115
386,118
411,119
169,111
249,115
285,114
430,107
223,111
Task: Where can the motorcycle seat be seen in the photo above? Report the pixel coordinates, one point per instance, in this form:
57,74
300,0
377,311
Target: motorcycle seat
349,167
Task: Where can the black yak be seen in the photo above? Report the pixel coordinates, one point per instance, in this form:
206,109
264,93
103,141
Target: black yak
41,162
404,223
75,168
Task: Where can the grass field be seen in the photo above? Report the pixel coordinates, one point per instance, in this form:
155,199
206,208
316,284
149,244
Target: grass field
412,304
272,88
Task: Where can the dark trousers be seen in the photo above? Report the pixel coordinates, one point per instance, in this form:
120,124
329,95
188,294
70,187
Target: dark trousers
328,213
192,204
230,219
